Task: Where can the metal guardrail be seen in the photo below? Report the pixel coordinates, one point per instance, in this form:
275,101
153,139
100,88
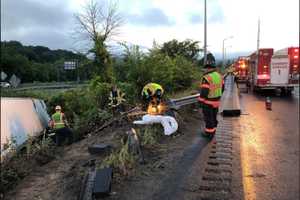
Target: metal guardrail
177,103
230,104
61,86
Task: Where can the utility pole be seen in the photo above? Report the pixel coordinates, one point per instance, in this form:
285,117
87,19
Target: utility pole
258,40
205,43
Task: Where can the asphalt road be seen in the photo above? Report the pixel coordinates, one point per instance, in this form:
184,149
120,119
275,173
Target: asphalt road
270,147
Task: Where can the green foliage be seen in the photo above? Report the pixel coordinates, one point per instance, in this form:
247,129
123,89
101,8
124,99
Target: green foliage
37,63
84,108
26,93
150,135
131,94
102,60
188,49
100,91
174,72
122,160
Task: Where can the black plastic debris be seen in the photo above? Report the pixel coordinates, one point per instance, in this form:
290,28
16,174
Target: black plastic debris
99,148
102,183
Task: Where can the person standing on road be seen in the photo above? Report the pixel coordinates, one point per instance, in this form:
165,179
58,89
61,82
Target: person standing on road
211,89
60,125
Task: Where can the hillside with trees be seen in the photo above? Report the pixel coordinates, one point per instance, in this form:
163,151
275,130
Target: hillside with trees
37,63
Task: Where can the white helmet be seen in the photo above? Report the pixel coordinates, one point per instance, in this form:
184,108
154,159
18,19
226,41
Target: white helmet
57,108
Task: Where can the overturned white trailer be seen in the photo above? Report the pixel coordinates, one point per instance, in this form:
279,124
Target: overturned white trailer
21,118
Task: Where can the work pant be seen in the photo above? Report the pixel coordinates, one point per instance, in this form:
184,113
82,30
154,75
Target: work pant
210,119
62,134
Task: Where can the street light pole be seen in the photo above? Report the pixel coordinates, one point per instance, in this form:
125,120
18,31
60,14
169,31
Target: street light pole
205,50
258,37
223,49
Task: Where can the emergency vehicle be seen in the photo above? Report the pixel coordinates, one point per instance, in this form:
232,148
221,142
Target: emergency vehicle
241,68
275,70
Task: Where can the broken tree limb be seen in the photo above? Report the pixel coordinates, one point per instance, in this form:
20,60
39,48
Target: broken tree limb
135,146
112,120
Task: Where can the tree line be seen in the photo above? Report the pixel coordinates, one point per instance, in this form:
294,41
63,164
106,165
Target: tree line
37,63
97,24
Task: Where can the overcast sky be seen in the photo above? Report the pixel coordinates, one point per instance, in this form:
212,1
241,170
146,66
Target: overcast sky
50,23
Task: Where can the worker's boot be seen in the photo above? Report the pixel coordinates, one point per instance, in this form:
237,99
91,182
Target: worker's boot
208,135
211,136
204,134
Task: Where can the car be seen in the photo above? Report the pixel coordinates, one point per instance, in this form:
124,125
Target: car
5,85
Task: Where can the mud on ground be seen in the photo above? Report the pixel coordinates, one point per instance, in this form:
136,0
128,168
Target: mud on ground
61,179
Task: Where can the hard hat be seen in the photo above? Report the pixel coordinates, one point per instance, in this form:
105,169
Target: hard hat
210,61
57,108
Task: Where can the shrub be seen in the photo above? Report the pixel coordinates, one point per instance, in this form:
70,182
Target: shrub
131,93
99,92
122,159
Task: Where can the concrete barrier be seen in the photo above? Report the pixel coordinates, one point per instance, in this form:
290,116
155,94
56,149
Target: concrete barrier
230,103
21,118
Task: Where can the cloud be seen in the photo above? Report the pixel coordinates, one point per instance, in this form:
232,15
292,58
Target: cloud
36,21
196,19
150,17
216,14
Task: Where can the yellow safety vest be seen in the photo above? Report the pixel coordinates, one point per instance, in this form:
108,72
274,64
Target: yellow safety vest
58,120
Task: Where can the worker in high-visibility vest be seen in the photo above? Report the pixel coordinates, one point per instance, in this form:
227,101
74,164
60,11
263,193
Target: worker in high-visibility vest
60,126
116,98
211,89
152,93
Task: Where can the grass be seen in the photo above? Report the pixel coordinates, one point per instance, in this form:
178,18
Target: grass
121,159
38,93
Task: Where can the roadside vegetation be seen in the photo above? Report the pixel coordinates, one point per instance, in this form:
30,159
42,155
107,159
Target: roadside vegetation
21,162
87,108
175,65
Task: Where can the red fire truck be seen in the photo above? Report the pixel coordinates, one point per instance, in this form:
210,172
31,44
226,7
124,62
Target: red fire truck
275,70
241,68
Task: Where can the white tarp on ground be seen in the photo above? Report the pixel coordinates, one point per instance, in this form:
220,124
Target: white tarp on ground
169,124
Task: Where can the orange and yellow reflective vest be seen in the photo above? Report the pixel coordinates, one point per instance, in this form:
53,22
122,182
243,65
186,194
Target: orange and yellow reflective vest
211,89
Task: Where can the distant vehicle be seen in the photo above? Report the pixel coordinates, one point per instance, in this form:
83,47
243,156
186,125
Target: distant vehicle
260,69
275,70
5,85
241,68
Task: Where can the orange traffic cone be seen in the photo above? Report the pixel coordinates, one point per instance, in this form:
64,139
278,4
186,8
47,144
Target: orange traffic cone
268,103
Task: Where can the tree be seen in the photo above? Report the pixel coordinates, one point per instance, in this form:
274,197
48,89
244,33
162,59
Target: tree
97,24
36,63
187,48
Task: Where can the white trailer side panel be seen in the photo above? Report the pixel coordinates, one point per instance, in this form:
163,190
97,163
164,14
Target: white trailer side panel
280,70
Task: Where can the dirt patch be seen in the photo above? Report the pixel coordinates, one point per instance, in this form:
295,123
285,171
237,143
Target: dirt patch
61,178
